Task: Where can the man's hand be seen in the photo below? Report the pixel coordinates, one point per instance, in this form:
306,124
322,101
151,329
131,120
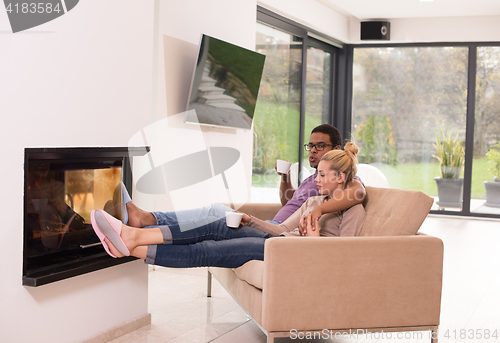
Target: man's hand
286,188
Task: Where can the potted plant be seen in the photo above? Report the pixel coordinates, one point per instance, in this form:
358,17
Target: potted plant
451,157
493,187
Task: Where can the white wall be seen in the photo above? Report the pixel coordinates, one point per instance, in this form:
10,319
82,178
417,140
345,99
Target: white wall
88,79
450,29
316,15
181,24
84,79
313,14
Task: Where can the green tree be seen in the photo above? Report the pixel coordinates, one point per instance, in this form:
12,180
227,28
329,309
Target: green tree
422,90
376,141
487,114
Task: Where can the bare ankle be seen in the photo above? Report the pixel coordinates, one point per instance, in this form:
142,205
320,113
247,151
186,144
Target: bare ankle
132,236
140,252
149,219
138,217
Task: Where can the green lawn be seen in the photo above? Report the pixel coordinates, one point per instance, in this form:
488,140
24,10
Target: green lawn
480,174
420,176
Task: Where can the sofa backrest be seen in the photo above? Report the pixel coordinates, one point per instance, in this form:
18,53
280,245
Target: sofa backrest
394,212
262,211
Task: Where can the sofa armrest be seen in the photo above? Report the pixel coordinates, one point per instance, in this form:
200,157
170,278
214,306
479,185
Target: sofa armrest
318,283
260,210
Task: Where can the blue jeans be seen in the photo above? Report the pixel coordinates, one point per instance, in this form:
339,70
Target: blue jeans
208,242
188,219
214,210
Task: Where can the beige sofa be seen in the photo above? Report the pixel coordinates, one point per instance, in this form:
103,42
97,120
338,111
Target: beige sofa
388,279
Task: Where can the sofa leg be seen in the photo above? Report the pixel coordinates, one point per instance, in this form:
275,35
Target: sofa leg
209,284
434,336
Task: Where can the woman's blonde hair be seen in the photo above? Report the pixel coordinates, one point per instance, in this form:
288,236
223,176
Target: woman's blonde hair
343,161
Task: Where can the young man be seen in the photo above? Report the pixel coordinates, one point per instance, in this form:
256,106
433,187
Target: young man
323,139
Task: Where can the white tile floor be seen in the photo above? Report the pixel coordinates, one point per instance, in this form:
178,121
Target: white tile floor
181,312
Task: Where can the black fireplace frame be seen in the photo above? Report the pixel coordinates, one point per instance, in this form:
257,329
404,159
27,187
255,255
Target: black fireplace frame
98,258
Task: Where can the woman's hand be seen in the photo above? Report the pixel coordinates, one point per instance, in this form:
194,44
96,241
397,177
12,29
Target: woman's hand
303,225
312,219
315,215
245,220
307,226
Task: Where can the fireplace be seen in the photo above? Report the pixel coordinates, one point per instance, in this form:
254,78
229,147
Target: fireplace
61,187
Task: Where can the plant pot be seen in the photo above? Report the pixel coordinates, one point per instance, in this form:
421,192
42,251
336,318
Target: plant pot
450,192
492,193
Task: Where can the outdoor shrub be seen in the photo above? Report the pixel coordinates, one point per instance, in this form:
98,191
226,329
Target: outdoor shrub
493,157
450,154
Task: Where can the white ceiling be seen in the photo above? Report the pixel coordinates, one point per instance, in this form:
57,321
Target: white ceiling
390,9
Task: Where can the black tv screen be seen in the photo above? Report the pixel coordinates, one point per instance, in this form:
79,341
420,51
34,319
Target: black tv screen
225,85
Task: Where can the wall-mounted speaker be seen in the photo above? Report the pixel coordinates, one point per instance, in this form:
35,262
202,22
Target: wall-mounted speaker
375,30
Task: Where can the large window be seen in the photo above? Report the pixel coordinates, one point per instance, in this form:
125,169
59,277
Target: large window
294,97
419,125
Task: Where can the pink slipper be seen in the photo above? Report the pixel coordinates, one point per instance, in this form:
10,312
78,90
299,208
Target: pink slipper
105,225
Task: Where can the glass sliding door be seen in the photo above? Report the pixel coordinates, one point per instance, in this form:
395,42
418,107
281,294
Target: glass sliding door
406,102
318,105
277,114
485,191
295,96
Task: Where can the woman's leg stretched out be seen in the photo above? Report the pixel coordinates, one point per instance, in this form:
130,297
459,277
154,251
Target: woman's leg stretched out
180,234
230,253
208,229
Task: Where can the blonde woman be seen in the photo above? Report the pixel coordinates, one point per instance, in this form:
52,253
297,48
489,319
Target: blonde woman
212,243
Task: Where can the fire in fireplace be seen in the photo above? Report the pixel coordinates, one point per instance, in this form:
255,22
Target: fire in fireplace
62,186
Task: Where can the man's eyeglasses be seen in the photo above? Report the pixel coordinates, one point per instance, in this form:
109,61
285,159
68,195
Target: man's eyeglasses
319,146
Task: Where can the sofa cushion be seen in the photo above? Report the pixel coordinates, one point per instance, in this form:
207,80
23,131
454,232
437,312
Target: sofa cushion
394,212
252,272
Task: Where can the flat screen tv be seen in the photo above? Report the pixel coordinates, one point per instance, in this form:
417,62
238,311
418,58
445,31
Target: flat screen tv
225,85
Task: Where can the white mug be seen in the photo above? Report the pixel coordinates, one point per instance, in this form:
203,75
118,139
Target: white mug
233,219
283,167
